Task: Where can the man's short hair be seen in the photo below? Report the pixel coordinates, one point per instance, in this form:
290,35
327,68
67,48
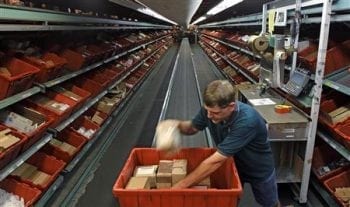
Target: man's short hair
219,93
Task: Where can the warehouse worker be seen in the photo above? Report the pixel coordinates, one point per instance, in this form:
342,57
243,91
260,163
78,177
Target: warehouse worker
239,131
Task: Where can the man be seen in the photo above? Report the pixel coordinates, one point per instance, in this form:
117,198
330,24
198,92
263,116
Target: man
239,131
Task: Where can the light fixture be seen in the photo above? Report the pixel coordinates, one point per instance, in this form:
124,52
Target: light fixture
225,4
152,13
199,19
222,6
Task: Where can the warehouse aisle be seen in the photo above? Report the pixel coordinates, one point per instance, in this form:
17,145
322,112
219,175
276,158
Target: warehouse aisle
133,127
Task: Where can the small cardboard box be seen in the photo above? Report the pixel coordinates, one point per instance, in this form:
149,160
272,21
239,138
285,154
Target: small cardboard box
39,178
339,115
97,118
24,171
179,170
138,183
164,172
149,171
205,182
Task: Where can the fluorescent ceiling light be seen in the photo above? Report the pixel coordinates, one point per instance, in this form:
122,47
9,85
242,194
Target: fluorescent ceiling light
222,6
152,13
199,19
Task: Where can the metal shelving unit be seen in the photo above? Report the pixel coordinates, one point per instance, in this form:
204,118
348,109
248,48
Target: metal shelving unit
314,11
24,156
42,88
49,18
232,64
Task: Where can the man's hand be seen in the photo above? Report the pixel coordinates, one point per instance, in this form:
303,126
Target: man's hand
168,135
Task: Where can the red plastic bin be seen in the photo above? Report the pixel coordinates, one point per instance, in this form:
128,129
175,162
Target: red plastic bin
91,111
59,98
83,121
89,85
84,94
22,77
322,156
344,131
28,112
226,185
47,164
339,181
69,137
30,195
11,153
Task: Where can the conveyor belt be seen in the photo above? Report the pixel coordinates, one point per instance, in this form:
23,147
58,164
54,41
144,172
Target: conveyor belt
184,99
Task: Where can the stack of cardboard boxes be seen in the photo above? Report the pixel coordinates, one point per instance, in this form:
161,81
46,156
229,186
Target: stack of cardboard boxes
162,176
30,172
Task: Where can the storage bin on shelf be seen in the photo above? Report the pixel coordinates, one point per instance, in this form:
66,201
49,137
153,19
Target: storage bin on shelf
69,137
9,154
17,77
226,185
46,164
57,103
323,155
336,58
103,80
89,85
29,194
343,130
83,126
71,92
40,122
49,64
341,180
96,116
76,60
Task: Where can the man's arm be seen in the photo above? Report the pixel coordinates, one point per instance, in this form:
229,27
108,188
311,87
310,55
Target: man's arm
207,167
187,128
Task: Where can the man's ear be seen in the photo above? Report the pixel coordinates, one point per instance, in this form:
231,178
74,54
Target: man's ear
232,106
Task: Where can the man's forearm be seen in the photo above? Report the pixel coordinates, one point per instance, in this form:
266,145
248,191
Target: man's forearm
201,172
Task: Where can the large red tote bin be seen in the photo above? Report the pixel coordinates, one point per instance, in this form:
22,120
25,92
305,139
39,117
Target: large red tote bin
225,192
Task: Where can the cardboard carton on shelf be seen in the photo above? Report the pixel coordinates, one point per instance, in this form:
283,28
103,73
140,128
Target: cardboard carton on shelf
7,140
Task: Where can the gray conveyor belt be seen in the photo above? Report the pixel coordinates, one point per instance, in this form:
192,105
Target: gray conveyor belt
184,100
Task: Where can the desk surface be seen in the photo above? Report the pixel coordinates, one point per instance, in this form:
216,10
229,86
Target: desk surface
267,111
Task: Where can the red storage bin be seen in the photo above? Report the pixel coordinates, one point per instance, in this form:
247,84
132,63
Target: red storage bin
84,94
60,115
344,131
339,181
47,164
91,111
75,60
30,195
22,76
82,121
226,192
12,152
69,137
322,156
103,80
89,85
32,114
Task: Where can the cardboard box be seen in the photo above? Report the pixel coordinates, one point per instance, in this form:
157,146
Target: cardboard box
339,115
7,141
164,173
5,72
138,183
39,178
179,171
205,182
149,171
97,118
24,171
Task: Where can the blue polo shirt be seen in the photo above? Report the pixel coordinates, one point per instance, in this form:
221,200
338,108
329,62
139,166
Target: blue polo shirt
243,136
